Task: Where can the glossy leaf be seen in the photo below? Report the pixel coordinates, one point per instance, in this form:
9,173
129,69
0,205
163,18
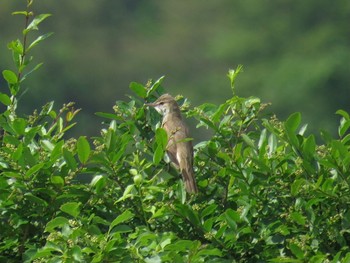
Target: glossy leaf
10,76
4,99
293,122
69,158
138,89
296,250
35,22
34,169
161,143
125,216
38,40
155,86
83,148
291,126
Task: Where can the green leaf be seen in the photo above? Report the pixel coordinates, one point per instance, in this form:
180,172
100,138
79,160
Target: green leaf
232,217
126,215
298,218
248,141
232,75
69,158
71,208
31,71
34,169
343,127
57,180
47,145
129,191
210,252
297,185
347,257
10,76
344,114
35,199
296,250
187,212
309,146
16,47
36,21
25,13
293,122
57,151
161,140
272,142
218,113
208,224
17,154
138,89
181,245
107,115
77,254
328,185
291,125
99,182
303,129
4,99
262,141
83,148
38,40
339,147
155,86
209,210
56,222
19,126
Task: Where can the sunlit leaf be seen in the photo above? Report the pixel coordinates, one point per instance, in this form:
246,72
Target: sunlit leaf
35,22
4,99
155,86
69,158
293,122
10,76
291,126
296,250
139,89
34,169
38,40
125,216
83,148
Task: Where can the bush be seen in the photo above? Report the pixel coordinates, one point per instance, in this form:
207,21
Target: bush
267,191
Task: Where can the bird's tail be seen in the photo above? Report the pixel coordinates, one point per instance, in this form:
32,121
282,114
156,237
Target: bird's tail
189,181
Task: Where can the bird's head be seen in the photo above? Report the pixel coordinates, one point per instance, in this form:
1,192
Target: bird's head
164,104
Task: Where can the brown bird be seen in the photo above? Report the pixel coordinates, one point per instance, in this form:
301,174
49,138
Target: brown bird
179,148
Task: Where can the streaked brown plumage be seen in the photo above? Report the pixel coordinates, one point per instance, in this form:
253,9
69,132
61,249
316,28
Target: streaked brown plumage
179,150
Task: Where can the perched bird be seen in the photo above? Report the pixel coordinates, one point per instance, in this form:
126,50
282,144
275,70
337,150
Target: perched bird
179,148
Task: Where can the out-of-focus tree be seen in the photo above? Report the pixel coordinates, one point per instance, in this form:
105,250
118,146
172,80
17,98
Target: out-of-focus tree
298,52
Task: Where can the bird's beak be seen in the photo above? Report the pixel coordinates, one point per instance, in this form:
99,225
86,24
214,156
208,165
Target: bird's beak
150,104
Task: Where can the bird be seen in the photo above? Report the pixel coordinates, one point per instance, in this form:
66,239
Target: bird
179,147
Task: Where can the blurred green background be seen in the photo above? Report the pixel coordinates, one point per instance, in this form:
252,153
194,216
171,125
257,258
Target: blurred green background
295,54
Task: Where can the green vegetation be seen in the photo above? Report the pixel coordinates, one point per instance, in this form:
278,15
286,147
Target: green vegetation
267,191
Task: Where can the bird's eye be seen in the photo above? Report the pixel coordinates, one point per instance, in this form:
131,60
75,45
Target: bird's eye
161,103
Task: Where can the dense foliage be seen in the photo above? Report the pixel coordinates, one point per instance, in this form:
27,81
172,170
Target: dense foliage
268,192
